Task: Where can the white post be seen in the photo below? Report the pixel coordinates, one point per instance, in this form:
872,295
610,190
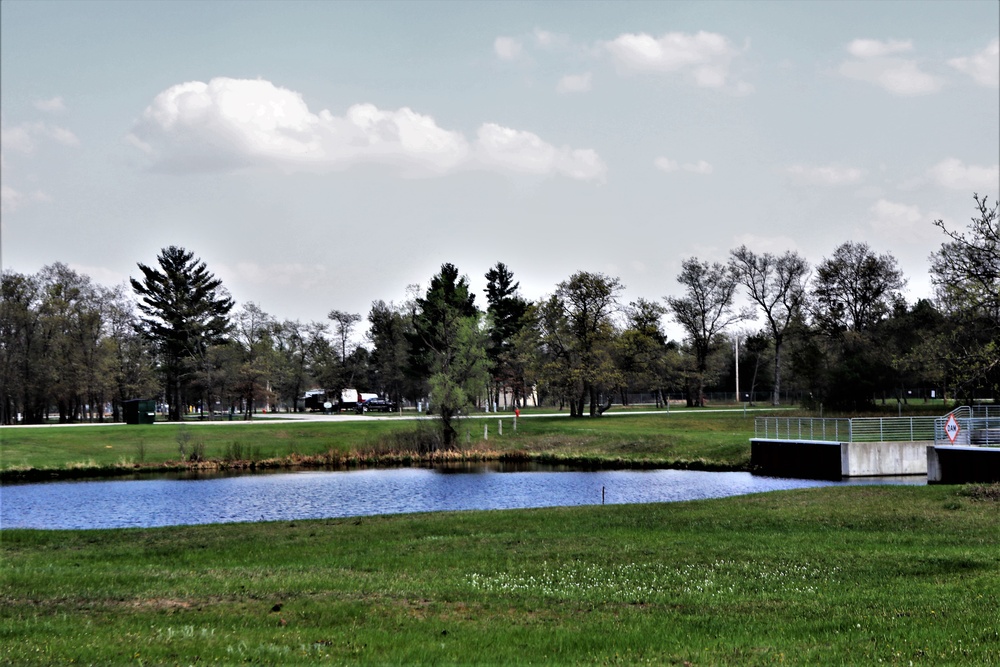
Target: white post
486,432
500,427
737,369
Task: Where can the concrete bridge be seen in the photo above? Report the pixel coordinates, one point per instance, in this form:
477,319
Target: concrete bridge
961,447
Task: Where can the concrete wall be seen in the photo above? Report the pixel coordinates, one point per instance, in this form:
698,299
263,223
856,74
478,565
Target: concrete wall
804,459
811,459
875,459
962,465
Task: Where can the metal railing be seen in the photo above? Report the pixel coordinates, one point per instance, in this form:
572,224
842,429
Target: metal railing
802,428
979,426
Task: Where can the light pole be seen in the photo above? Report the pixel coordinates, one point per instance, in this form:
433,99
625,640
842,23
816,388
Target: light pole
737,341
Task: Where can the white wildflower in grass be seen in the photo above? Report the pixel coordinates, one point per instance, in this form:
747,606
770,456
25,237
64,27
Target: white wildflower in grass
657,582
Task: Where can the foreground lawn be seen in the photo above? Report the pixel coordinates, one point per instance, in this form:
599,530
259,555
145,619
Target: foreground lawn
839,575
705,438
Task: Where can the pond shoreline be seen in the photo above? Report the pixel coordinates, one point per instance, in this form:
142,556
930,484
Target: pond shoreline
357,460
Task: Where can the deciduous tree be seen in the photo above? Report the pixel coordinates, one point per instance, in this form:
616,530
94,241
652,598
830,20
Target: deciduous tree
966,275
577,332
855,288
778,285
705,311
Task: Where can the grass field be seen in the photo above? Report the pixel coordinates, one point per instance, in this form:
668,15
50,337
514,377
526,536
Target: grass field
848,575
682,438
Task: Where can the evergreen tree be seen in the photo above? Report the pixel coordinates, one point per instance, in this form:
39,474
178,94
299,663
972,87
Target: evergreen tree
185,310
388,335
506,312
447,345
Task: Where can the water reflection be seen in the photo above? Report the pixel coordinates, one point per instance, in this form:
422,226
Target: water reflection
178,500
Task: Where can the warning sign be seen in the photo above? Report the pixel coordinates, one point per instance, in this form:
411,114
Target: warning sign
951,428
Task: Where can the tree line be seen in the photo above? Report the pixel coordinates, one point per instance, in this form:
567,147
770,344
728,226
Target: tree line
838,334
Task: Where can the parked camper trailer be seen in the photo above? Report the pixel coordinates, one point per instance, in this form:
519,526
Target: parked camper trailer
320,400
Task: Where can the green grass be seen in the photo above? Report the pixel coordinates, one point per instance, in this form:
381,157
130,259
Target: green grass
839,575
682,438
103,446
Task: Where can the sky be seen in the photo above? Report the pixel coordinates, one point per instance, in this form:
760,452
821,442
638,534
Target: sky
324,155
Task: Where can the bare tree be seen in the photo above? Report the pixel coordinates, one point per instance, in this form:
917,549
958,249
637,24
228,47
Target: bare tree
966,270
343,324
778,286
704,311
966,275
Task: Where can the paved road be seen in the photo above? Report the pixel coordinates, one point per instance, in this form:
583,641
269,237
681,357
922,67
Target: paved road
284,418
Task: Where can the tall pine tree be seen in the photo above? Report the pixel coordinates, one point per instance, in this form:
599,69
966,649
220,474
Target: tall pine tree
185,311
506,310
447,346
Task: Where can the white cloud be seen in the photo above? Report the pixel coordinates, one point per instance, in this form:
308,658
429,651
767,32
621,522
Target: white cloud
16,138
954,174
830,175
526,152
12,199
232,123
983,67
21,138
545,39
776,245
574,83
899,77
873,48
228,124
700,167
52,105
300,276
61,135
901,221
507,48
668,165
706,57
100,274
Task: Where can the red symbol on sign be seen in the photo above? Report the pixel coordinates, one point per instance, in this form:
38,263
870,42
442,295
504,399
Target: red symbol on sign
951,428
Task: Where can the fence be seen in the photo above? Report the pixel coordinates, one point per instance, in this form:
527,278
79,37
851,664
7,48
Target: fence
979,426
858,429
713,398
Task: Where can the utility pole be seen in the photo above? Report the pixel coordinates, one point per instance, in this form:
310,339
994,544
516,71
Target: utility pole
738,401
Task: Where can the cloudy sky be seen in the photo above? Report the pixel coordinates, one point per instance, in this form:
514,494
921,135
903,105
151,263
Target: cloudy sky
322,155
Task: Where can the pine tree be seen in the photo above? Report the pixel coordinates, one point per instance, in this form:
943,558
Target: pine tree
185,311
448,347
506,311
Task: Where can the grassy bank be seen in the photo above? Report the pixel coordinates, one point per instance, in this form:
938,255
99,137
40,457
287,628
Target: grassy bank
855,575
683,438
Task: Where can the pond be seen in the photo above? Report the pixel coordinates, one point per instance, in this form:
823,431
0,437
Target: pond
290,496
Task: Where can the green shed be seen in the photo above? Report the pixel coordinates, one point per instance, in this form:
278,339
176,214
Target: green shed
139,411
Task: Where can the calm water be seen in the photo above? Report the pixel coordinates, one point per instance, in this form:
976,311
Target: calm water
314,495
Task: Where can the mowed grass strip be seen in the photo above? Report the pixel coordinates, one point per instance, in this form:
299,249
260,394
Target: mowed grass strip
709,438
837,575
